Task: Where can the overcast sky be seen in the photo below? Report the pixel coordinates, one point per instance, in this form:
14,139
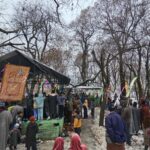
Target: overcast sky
68,13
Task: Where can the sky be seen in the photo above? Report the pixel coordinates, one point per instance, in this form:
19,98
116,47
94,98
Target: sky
68,13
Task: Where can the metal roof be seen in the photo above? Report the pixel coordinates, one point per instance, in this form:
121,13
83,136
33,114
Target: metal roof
18,58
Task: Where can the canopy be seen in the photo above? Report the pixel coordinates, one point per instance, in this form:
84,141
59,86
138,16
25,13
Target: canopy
36,68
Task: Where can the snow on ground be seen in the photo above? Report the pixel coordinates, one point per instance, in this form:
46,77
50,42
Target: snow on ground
99,134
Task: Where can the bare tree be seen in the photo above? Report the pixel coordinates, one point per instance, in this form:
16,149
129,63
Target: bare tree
120,20
57,59
102,58
38,27
83,32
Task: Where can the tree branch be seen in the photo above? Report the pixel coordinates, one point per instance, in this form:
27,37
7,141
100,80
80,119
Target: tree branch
8,32
88,80
11,44
57,11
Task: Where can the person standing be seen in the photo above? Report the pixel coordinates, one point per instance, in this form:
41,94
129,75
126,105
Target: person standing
15,136
35,106
128,119
5,121
40,105
61,103
70,110
146,125
31,131
145,111
85,108
136,117
92,106
77,122
28,106
115,130
17,111
52,105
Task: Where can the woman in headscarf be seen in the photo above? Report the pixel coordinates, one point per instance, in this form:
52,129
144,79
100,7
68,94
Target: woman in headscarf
76,143
59,144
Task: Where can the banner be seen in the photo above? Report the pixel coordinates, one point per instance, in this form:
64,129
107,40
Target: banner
13,83
131,86
126,87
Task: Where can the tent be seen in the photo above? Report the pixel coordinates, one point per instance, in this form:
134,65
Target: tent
48,130
37,68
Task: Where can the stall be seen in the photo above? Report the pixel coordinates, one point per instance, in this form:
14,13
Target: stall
37,74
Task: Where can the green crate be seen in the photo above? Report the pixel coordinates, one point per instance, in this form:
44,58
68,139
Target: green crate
51,133
48,129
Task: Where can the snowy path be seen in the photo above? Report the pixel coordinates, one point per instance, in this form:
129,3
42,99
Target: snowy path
87,135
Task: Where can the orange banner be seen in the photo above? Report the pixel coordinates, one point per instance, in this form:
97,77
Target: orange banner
13,83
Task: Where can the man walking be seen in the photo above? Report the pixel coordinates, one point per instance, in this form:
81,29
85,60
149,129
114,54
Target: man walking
115,130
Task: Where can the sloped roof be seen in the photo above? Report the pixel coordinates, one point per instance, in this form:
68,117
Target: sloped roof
18,58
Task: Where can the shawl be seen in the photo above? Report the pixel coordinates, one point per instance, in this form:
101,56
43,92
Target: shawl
59,144
75,142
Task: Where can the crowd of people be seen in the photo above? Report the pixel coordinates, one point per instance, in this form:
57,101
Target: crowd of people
72,108
125,120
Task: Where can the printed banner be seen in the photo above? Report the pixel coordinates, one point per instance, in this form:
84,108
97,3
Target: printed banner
13,83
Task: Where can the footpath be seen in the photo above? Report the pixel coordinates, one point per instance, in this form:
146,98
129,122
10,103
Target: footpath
88,137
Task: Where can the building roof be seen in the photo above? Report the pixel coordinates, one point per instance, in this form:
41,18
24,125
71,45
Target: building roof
36,67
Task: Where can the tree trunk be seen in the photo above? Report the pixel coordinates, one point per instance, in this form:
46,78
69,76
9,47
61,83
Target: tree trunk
140,90
102,109
84,66
122,76
147,74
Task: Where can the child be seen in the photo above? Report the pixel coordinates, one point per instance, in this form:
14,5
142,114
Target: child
59,144
77,122
31,132
14,137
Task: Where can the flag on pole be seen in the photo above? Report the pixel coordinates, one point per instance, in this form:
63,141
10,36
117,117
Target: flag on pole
126,87
131,86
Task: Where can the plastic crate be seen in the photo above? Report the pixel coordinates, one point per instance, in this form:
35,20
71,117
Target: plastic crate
47,134
48,129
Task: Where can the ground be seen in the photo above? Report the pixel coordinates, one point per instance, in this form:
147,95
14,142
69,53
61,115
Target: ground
88,137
